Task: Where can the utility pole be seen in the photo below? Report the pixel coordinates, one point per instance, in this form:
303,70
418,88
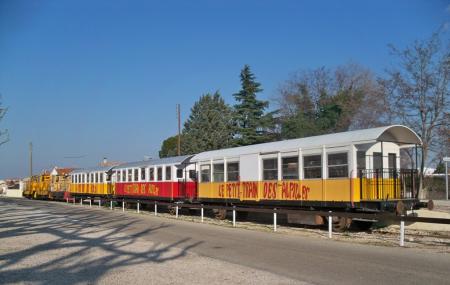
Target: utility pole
31,159
179,130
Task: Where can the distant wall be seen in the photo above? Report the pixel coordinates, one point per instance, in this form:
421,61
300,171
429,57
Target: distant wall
14,193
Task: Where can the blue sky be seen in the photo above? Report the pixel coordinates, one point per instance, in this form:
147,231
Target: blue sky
102,78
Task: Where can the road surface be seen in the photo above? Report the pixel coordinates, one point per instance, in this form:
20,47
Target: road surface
48,242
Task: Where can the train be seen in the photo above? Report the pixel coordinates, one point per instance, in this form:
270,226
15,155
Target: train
353,171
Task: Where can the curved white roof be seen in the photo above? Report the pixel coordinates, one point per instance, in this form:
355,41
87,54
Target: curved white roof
395,133
92,169
159,161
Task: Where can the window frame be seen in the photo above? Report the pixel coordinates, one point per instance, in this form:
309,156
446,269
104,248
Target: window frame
203,168
159,173
234,172
143,173
151,174
346,165
283,167
275,170
168,174
129,175
305,167
214,172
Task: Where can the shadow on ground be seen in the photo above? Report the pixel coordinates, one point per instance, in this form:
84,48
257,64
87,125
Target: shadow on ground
79,247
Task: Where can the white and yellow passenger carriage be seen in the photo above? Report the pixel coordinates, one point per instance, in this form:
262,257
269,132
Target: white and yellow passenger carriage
91,182
350,171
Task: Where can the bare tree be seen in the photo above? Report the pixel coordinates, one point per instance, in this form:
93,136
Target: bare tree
351,87
418,90
4,136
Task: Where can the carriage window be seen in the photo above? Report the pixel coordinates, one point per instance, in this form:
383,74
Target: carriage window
130,175
270,169
119,176
290,167
361,160
142,174
392,161
152,174
168,173
233,171
101,177
218,170
205,172
312,166
179,173
337,165
377,160
192,174
160,176
96,177
124,175
136,174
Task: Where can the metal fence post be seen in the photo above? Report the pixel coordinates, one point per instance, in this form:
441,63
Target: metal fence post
138,206
234,216
81,202
275,219
110,205
402,231
330,225
201,213
123,206
99,202
156,209
90,203
67,200
176,211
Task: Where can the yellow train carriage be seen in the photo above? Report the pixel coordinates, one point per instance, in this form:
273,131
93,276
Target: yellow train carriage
354,171
91,182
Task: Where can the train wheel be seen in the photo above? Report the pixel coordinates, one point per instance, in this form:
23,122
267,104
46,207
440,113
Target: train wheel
220,214
172,210
341,224
400,208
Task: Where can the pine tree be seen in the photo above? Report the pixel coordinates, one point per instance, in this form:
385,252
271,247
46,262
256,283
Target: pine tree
209,125
252,125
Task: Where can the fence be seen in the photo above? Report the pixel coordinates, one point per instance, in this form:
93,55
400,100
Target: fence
330,214
381,184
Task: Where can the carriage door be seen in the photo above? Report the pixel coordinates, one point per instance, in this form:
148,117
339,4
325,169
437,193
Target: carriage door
181,183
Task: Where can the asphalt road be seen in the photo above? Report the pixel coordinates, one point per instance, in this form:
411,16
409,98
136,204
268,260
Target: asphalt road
298,259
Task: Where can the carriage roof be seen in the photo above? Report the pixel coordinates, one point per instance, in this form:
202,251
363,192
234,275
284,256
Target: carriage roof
398,134
151,162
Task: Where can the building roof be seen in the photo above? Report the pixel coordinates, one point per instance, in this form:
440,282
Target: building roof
63,171
399,134
159,161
